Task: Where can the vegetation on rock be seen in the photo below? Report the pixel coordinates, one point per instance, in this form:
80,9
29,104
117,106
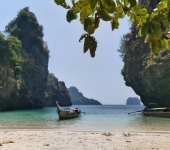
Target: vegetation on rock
56,91
11,63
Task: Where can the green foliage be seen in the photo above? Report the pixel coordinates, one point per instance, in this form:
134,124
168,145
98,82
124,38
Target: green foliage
89,43
124,45
10,65
92,11
26,24
71,15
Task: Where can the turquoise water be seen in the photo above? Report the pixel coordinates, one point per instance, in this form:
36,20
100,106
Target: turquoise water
97,118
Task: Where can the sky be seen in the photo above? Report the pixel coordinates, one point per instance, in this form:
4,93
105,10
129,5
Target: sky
98,78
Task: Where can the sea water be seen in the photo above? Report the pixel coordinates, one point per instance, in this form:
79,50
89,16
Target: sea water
96,118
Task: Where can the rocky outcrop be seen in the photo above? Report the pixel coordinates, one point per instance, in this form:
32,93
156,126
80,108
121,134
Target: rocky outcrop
147,74
133,101
34,70
77,98
56,91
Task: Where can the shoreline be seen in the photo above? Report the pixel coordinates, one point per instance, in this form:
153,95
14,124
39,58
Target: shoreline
73,130
52,139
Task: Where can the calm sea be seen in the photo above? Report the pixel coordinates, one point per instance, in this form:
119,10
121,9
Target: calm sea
97,118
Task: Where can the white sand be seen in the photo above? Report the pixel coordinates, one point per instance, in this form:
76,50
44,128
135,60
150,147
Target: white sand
70,140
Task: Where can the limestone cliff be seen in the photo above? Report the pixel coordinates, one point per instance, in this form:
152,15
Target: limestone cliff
133,101
77,98
147,74
56,91
30,90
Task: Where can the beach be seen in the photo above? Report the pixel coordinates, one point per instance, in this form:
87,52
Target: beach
101,128
17,139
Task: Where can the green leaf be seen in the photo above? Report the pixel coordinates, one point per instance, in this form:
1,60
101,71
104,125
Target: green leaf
62,3
119,9
122,15
91,29
80,4
76,9
150,30
126,3
85,12
93,46
157,31
143,30
163,44
156,17
126,9
118,2
59,2
145,16
161,5
104,15
154,46
93,3
71,15
132,18
114,24
88,21
142,12
132,3
90,43
108,4
165,23
86,44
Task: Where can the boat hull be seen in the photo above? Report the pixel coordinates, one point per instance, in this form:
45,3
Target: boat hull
157,114
67,115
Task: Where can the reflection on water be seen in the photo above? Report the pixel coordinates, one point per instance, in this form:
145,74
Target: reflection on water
104,118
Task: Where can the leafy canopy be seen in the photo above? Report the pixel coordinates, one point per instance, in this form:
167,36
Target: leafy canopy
154,26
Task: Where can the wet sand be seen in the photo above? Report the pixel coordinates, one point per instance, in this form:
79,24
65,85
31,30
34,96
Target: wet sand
11,139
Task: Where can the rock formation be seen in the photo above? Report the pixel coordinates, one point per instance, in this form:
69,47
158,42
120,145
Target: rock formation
56,91
31,81
133,101
147,74
24,67
77,98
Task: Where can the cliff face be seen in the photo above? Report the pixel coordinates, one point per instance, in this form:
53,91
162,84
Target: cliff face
77,98
147,74
56,91
133,101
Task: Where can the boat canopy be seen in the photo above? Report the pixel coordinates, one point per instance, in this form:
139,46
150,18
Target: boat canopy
163,108
73,108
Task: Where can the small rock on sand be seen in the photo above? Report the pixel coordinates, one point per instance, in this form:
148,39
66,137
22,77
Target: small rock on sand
46,144
106,134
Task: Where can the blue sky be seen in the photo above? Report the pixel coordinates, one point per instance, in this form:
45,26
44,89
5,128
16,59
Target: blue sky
98,78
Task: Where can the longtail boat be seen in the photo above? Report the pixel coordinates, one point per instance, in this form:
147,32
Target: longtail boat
67,113
157,112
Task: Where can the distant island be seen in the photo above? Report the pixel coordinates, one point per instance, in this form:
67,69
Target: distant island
133,101
77,98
